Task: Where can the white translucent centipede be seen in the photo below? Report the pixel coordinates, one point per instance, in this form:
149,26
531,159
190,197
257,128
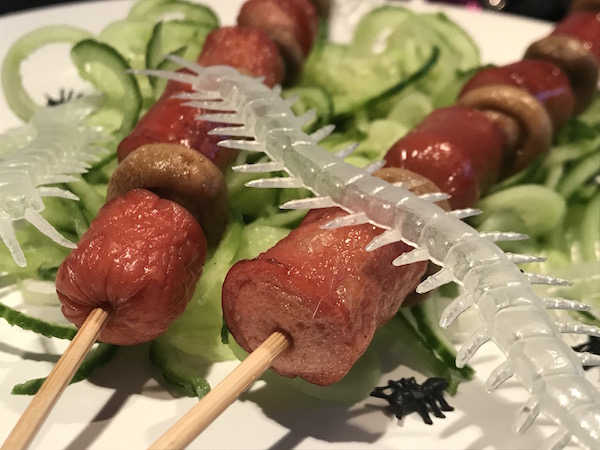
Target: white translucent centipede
513,316
55,145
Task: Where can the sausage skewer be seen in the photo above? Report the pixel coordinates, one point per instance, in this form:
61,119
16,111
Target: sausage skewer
197,419
59,378
465,352
147,163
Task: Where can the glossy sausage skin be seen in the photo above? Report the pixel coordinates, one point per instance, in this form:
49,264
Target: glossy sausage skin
544,80
140,260
583,26
169,122
321,288
292,24
458,148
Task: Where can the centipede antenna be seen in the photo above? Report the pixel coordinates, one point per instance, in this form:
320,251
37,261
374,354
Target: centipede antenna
210,105
455,308
288,102
198,95
309,203
441,277
233,119
564,303
276,182
498,236
46,191
434,197
464,213
307,117
375,166
387,237
272,166
241,144
236,131
413,256
519,258
322,133
471,345
529,411
589,359
346,151
498,376
536,278
557,441
38,221
54,179
578,328
7,233
346,221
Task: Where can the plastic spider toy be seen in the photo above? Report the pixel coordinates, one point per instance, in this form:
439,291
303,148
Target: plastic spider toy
63,97
408,396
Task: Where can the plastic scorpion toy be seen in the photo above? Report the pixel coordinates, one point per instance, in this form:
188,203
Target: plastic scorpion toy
513,316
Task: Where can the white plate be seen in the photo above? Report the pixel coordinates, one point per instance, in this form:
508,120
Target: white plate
123,407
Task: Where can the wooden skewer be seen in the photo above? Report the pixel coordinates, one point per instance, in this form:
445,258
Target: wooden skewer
197,419
61,375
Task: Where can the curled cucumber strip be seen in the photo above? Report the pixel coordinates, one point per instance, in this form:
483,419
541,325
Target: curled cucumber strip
540,209
19,101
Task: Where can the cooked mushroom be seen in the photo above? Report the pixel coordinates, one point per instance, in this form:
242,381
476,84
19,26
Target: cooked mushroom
534,122
177,173
575,60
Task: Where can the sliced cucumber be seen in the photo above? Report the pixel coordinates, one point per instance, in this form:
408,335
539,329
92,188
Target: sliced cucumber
182,10
94,360
27,322
543,211
19,101
107,70
178,368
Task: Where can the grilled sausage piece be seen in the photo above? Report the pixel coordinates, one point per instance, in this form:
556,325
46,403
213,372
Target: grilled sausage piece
169,121
293,25
140,259
324,290
446,147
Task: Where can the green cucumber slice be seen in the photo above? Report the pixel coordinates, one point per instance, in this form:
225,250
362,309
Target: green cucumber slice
107,70
17,98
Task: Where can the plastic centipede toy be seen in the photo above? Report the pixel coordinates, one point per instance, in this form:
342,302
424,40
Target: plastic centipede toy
513,316
55,145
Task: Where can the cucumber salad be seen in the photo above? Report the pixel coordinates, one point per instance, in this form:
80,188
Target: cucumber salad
393,68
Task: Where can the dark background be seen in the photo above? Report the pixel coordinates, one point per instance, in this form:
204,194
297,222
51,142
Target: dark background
543,9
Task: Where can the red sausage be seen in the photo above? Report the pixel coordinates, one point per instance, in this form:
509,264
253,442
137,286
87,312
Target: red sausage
583,26
167,121
297,18
140,259
545,81
249,50
459,149
324,290
293,25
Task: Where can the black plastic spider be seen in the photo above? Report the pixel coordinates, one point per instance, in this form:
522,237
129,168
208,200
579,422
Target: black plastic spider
408,396
64,97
